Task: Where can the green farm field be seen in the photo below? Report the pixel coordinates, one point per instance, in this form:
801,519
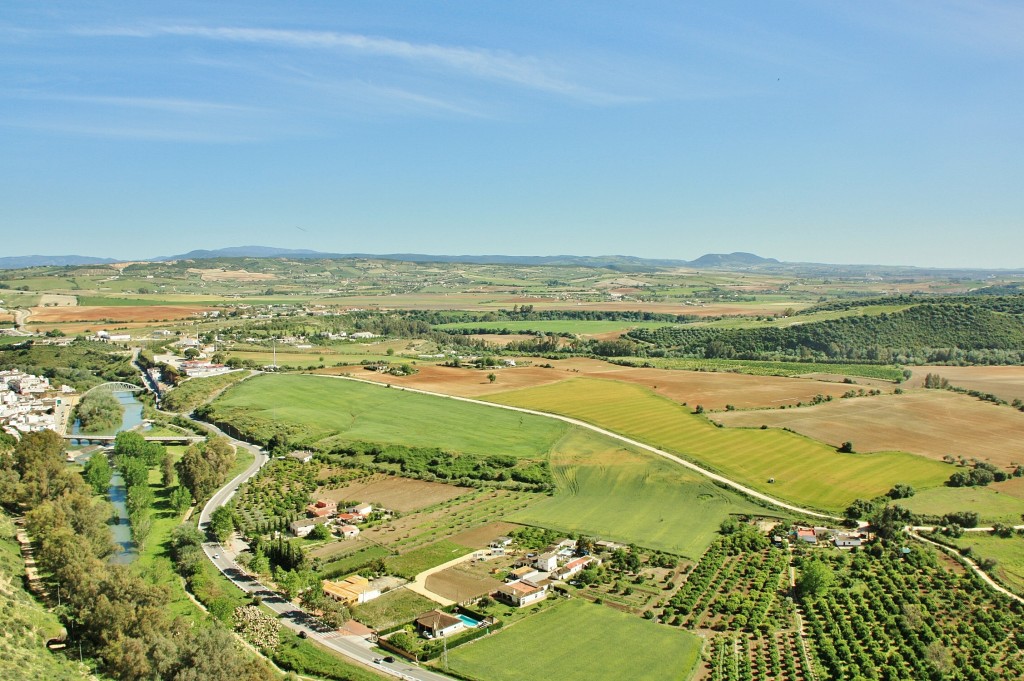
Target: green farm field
579,641
992,504
316,408
765,368
805,471
1008,553
658,504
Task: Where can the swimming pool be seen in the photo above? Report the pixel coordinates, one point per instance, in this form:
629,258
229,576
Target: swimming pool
468,621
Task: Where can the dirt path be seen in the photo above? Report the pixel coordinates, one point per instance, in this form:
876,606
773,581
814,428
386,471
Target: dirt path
621,438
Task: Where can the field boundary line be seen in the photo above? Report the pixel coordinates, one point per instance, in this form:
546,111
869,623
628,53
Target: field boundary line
616,436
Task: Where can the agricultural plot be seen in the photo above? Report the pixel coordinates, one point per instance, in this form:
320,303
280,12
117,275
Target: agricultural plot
577,641
1005,382
801,470
932,423
394,607
410,564
896,617
574,326
993,504
765,368
464,581
394,493
713,390
1007,552
657,504
317,409
113,313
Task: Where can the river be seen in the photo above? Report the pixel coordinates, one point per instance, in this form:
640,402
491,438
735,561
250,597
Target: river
118,494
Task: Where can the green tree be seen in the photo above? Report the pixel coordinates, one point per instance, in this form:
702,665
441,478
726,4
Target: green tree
815,578
492,377
98,473
320,533
222,523
181,499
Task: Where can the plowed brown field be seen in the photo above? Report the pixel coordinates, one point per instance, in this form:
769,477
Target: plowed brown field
932,423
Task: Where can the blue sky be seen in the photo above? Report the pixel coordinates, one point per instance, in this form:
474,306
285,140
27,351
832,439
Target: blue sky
870,131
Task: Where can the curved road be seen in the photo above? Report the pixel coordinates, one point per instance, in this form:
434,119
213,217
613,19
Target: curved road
293,617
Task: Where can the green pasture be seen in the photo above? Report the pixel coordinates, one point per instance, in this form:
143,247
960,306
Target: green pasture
580,641
315,408
991,505
767,368
410,564
657,504
1008,553
805,471
193,392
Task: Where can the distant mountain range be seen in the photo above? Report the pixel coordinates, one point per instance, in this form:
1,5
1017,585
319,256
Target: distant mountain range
711,260
17,262
622,263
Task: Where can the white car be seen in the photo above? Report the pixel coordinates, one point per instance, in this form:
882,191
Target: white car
216,556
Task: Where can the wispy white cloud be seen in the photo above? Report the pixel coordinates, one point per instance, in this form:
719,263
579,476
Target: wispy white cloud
500,66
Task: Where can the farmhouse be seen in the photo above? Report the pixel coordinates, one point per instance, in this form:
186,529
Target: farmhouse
521,593
546,562
348,531
500,542
302,528
322,508
846,541
437,624
575,566
362,509
302,456
806,534
525,572
351,590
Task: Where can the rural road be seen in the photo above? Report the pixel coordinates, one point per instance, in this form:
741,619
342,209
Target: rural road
293,617
621,438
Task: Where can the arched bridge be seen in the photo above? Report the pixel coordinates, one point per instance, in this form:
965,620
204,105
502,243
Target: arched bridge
116,386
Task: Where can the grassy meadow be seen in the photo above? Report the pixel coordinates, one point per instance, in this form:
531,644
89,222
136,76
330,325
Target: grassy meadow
626,495
991,504
579,641
319,407
805,471
410,564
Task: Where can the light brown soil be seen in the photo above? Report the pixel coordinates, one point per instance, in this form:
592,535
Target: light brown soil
463,582
57,300
398,494
709,389
232,275
932,423
1004,382
113,313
